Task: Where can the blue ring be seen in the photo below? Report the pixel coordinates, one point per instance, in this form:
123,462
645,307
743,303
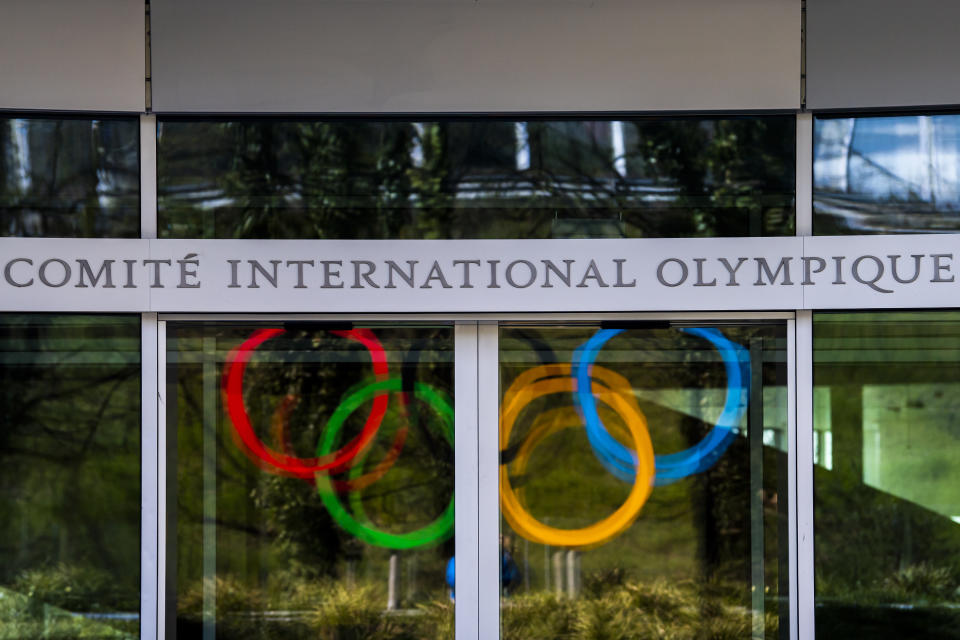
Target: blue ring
619,459
451,576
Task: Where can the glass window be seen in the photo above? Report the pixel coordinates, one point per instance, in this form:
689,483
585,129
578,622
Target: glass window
889,174
886,478
646,177
310,481
643,482
69,476
70,177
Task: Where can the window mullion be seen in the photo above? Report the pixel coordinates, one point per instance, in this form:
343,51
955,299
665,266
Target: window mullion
489,470
466,479
803,469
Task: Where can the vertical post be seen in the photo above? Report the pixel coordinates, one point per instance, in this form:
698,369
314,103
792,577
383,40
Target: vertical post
800,412
210,391
392,583
573,566
148,176
160,393
804,180
546,567
465,480
755,433
526,565
558,572
150,457
488,412
411,577
803,357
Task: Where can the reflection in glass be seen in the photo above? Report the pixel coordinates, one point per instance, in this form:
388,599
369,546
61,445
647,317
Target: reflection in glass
69,476
310,481
73,177
892,174
681,177
643,482
887,502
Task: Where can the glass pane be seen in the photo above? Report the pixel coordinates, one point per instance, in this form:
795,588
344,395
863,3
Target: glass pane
886,479
643,482
310,481
652,177
73,177
69,476
892,174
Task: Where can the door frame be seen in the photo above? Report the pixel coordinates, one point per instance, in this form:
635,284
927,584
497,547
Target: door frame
476,457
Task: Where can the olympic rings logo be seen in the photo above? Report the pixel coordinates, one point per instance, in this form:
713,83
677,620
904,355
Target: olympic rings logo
583,379
349,457
588,382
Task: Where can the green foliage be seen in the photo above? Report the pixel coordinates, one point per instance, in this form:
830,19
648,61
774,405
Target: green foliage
436,621
596,583
632,610
537,616
922,581
76,588
356,614
661,599
301,527
917,585
331,610
232,595
608,618
70,474
28,617
341,179
868,544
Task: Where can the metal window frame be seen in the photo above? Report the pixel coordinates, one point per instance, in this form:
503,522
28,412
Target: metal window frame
802,610
152,472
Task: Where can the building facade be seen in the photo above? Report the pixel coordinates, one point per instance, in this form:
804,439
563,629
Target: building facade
441,319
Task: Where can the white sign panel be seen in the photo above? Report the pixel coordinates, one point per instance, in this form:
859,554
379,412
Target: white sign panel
882,272
451,276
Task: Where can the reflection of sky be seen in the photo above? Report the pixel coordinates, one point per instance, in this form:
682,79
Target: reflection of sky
901,158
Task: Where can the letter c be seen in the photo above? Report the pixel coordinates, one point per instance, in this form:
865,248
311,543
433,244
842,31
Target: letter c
9,276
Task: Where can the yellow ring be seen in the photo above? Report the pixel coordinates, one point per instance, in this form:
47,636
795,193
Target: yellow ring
615,392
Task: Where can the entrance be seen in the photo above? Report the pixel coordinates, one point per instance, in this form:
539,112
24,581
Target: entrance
627,471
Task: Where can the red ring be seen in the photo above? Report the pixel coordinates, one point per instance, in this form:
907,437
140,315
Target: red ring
274,461
281,418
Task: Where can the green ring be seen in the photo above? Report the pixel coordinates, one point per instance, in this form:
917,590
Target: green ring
358,523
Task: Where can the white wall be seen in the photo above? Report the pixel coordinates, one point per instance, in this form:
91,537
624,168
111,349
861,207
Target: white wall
79,54
882,53
474,55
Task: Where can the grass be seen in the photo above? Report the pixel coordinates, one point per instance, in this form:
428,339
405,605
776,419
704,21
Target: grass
617,610
22,616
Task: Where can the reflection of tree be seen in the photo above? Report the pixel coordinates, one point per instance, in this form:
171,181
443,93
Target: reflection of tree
70,455
887,552
69,177
461,179
271,525
696,530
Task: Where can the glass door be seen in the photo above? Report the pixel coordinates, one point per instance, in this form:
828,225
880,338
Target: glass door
309,480
613,479
643,480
